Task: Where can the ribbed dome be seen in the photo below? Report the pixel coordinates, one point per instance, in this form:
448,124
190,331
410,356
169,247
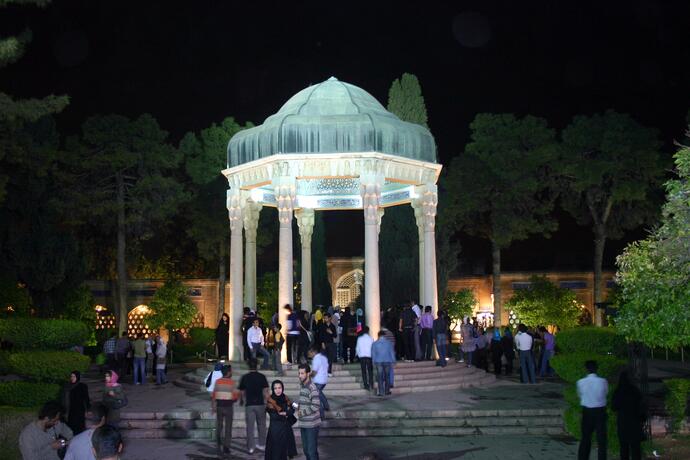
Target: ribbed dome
332,117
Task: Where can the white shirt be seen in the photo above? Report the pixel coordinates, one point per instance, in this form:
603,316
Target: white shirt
255,335
363,348
319,364
79,447
523,341
215,375
592,391
417,311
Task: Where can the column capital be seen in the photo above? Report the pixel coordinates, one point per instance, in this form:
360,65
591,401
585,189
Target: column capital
305,222
235,202
370,189
428,202
285,188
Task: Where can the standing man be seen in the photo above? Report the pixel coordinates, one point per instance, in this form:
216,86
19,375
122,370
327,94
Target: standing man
292,335
308,413
254,388
523,342
592,391
439,327
109,349
140,360
547,353
383,356
319,375
326,337
426,322
406,327
363,351
122,349
39,439
149,356
255,340
335,320
222,404
80,447
417,331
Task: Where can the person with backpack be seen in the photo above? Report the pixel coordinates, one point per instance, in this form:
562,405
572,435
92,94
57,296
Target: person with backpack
408,321
212,376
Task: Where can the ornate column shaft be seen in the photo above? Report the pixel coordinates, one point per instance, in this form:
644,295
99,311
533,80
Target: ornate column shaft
235,205
419,217
285,189
370,189
429,203
251,223
305,221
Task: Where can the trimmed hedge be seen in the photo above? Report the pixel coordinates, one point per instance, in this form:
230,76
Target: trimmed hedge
202,336
27,394
12,422
592,339
676,400
44,334
48,366
571,367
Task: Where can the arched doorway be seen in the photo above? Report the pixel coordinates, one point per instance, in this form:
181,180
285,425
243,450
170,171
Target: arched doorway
348,289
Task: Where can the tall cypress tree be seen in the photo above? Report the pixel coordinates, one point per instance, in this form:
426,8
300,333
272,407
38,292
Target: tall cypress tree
321,288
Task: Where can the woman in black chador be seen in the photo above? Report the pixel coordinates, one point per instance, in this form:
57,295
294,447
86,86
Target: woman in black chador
223,335
77,402
280,442
628,403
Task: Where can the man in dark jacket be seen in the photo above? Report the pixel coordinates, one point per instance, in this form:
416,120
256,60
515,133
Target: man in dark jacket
326,334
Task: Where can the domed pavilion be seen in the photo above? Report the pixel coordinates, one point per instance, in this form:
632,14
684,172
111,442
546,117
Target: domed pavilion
332,146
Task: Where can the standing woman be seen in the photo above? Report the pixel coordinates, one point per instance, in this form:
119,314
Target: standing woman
508,349
113,397
161,352
280,441
496,348
76,402
628,403
223,335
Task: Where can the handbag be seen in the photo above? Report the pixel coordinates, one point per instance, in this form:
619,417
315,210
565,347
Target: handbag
291,419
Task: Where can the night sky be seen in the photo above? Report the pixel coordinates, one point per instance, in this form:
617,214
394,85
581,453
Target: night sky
193,63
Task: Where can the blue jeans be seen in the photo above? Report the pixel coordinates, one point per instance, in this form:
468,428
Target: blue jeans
310,442
160,376
384,370
545,368
257,348
527,367
442,347
391,377
322,398
140,370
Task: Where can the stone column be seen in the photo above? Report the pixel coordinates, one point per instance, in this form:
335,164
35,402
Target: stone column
429,203
305,221
284,189
419,217
251,223
370,189
235,204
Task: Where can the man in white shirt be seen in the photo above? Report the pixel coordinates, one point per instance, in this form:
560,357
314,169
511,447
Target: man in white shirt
592,391
80,447
363,352
255,340
319,376
523,342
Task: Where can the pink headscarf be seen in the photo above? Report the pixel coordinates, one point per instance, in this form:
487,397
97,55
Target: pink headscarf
113,379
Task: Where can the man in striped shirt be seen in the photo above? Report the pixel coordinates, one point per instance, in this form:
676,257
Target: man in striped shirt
308,414
222,401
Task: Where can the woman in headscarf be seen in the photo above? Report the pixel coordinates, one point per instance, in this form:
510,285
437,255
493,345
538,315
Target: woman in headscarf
161,352
280,441
627,402
76,401
508,345
496,350
113,397
223,336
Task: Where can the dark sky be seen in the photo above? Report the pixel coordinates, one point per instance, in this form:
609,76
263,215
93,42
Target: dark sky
192,63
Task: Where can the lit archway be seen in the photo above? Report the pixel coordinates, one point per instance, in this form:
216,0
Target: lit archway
348,289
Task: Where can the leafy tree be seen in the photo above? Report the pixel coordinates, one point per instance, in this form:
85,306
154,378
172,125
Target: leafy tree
545,303
79,305
267,295
405,100
14,298
501,187
121,181
654,274
204,159
171,307
611,166
15,112
459,304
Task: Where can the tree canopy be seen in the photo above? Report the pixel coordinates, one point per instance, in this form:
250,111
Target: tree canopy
654,274
171,307
544,303
459,304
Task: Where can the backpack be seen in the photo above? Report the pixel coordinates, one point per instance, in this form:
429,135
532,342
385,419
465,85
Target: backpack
208,379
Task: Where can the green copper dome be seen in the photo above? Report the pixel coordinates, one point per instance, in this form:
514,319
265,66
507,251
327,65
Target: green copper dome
332,117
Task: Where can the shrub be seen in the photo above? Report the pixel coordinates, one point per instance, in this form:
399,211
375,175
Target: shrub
12,422
676,401
202,337
27,394
48,366
4,362
592,339
545,303
571,366
45,334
